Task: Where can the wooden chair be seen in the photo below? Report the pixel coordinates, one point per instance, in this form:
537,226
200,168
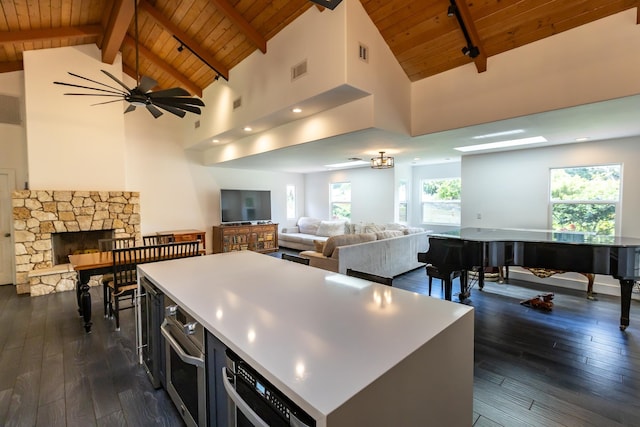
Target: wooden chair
370,277
108,245
157,239
295,258
124,281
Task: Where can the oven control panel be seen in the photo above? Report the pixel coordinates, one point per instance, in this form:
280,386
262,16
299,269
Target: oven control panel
261,387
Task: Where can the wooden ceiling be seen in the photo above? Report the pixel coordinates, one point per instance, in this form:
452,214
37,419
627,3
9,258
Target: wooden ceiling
221,33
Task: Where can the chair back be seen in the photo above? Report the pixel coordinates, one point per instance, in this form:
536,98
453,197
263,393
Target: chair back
370,277
295,258
125,261
157,239
106,245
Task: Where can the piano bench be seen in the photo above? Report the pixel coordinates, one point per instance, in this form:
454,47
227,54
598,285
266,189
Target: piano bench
447,279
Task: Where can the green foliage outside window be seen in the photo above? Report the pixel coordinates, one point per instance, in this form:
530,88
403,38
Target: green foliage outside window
340,194
585,198
441,201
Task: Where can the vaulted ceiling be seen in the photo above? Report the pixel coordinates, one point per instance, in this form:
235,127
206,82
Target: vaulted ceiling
215,35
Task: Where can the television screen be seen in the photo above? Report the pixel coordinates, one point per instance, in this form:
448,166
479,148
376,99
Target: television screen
245,205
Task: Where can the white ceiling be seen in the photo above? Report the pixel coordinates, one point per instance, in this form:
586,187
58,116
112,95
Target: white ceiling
611,119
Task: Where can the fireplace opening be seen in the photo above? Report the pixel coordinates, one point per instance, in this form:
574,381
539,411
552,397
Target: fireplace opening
75,242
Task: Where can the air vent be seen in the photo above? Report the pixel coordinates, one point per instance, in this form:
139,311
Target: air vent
299,70
10,110
197,124
237,103
363,53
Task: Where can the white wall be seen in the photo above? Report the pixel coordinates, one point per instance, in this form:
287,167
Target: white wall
13,152
590,63
71,144
511,190
372,194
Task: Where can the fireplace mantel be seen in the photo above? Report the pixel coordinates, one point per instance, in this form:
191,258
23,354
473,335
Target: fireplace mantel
39,213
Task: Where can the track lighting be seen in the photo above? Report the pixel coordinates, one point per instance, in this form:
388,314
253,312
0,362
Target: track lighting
180,48
469,50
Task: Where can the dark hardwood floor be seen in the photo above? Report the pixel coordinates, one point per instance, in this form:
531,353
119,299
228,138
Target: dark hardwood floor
568,367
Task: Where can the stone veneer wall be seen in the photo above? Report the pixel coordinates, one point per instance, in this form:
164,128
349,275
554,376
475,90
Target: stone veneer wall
37,214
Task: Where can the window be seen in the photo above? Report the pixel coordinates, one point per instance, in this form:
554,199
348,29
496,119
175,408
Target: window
441,201
291,202
340,200
585,198
402,201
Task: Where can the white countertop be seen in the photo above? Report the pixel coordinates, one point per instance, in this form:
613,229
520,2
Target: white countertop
318,336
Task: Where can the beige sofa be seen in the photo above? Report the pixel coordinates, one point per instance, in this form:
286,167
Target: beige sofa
307,230
385,253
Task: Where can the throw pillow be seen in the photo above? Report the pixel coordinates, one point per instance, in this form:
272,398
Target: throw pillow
373,228
318,245
330,228
394,226
413,230
344,240
308,225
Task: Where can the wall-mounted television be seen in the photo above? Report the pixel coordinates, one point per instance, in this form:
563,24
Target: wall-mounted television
245,205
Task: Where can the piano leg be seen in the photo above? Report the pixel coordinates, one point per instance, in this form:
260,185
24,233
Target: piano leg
626,287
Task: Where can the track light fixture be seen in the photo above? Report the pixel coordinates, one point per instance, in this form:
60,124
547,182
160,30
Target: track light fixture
180,48
469,50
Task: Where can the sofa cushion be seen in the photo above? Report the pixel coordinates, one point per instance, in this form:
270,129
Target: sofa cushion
331,228
308,225
413,230
346,239
387,234
318,245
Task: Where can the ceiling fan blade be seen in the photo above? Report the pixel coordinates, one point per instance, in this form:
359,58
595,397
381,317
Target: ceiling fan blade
177,101
189,108
154,111
94,94
107,102
178,112
95,81
146,84
130,108
87,87
116,80
174,91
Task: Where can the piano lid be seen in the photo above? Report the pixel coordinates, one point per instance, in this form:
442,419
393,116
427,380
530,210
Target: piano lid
542,236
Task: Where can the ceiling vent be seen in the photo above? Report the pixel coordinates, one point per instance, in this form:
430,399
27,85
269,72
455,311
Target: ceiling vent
197,124
299,70
10,110
237,103
363,53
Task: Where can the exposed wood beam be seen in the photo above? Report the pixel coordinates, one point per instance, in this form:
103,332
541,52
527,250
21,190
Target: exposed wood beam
159,62
121,16
62,33
232,14
6,67
173,29
465,14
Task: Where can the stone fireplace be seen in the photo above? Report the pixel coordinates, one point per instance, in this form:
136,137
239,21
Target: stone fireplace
39,215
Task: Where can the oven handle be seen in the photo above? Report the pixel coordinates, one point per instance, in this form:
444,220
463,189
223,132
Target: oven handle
186,358
240,403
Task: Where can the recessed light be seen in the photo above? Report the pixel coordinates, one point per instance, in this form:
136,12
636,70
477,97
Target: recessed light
215,141
296,110
583,139
503,144
248,129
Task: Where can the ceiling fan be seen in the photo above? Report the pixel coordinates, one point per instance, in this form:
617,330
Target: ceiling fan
174,100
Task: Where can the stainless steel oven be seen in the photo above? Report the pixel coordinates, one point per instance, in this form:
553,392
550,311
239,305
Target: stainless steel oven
186,375
254,401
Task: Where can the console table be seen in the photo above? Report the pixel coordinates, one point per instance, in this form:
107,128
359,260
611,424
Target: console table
253,237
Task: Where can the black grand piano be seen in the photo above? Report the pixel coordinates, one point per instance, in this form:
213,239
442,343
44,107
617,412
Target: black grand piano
467,248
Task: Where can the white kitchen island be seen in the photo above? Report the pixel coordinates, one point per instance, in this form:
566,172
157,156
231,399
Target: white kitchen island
347,351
